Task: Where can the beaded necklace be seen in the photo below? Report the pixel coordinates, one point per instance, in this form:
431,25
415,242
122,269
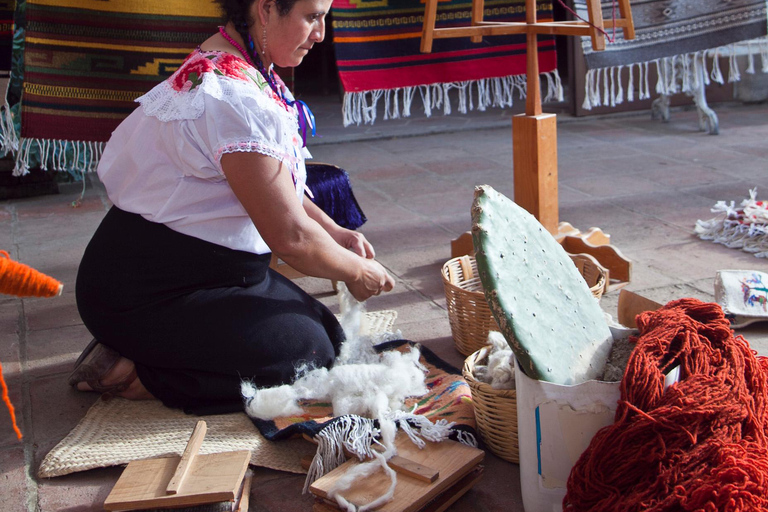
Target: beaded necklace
305,116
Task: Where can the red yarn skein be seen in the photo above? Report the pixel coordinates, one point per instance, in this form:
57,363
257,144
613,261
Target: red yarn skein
702,443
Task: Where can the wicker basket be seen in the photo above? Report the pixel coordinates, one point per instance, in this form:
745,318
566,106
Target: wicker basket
468,311
593,273
495,410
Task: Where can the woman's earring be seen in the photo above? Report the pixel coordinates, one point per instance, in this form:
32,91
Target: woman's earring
264,41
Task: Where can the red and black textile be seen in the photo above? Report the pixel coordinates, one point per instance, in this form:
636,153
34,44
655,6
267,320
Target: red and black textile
7,8
378,42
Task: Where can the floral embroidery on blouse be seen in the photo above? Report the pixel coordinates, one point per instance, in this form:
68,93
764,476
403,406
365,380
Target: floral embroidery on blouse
190,73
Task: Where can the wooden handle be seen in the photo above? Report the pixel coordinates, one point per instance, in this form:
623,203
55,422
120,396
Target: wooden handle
466,268
453,276
187,458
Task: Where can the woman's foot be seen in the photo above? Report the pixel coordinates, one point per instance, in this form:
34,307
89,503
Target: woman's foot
101,369
123,380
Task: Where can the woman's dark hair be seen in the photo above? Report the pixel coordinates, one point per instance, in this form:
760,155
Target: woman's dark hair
239,13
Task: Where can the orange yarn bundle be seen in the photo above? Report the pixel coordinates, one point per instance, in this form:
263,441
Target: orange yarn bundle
701,444
8,403
24,281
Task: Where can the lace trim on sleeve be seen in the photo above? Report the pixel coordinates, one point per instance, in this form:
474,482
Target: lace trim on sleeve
257,147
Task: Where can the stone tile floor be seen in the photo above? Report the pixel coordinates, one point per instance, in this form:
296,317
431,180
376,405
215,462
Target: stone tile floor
643,182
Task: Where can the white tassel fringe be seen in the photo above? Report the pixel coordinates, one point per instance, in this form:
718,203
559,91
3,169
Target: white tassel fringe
360,107
676,74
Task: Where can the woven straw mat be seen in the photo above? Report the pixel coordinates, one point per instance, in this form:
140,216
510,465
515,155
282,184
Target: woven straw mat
118,431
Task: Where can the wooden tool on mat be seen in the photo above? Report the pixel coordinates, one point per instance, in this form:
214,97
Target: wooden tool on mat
429,479
189,480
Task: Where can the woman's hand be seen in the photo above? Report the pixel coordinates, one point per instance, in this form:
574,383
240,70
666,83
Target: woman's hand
354,241
373,280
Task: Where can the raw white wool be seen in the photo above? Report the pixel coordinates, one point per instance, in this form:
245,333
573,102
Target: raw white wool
500,370
362,471
353,350
362,389
361,384
268,403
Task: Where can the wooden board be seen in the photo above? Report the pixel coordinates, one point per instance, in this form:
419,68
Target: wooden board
609,256
453,460
243,502
439,504
631,304
213,478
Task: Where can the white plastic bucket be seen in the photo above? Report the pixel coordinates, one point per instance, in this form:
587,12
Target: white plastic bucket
555,424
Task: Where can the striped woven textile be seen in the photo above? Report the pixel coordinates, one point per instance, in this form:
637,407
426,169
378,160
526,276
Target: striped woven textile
86,61
377,45
682,39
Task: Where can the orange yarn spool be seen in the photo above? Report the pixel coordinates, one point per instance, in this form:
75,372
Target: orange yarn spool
24,281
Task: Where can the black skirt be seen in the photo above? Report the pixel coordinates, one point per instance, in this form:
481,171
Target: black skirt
195,317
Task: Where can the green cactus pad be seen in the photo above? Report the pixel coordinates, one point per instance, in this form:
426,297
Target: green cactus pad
543,306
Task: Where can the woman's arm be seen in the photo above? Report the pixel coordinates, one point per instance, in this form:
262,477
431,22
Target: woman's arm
352,240
265,189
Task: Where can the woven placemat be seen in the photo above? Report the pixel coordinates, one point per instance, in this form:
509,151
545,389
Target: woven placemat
377,322
119,431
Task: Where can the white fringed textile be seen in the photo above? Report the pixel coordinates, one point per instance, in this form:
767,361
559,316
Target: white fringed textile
9,141
362,107
677,74
743,228
54,154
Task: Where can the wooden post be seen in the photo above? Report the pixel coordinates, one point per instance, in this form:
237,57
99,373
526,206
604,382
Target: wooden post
534,135
534,161
534,143
478,7
428,28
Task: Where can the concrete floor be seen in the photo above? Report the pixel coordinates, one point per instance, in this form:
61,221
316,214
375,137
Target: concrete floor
643,182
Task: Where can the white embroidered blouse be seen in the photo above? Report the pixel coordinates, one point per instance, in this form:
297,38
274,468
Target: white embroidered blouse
164,161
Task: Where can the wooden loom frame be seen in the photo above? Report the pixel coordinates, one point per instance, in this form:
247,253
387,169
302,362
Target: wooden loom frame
534,134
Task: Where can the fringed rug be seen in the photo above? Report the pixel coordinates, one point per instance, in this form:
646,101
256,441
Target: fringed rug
682,39
378,55
744,227
86,61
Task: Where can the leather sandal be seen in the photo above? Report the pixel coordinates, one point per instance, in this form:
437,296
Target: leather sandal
96,361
